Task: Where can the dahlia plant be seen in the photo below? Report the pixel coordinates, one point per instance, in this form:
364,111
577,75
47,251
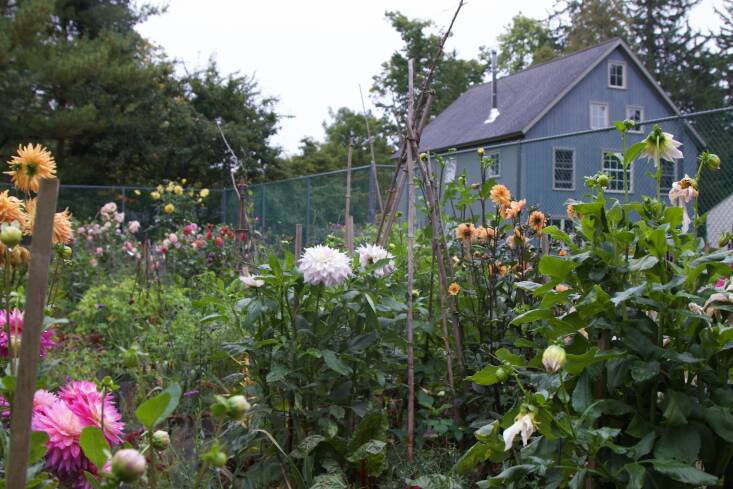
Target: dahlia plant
618,375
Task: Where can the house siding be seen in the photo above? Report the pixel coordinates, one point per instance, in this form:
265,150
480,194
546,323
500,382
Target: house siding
572,113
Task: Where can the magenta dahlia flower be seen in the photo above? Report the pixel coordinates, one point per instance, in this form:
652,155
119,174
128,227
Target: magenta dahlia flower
86,402
16,329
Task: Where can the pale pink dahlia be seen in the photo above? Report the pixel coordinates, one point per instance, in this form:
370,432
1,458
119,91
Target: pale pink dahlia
85,401
64,457
16,329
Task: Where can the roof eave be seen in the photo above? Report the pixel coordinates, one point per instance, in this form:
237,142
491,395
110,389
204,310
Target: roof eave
478,142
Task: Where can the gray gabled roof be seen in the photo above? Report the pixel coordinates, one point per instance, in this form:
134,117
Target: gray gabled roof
523,98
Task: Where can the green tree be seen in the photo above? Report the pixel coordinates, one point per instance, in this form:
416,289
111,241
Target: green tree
524,42
580,24
724,42
452,77
331,154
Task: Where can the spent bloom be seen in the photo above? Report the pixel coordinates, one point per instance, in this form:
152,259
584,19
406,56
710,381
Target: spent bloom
371,254
16,330
681,193
252,281
10,208
323,265
524,424
466,232
485,233
660,145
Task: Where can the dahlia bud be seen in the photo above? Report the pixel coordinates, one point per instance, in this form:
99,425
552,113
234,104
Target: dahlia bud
602,180
161,440
66,251
480,151
128,465
501,374
554,358
423,156
237,407
10,235
219,459
710,160
629,124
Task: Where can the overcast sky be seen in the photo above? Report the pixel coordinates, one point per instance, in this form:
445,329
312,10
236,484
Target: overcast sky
313,54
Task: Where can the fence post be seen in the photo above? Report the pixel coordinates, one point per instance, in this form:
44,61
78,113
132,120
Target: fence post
124,200
308,210
223,205
372,201
298,240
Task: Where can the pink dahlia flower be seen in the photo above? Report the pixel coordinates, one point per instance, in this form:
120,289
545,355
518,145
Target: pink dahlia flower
64,456
16,329
85,401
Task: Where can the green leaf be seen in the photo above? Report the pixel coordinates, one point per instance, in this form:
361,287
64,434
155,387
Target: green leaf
158,408
505,355
683,473
721,420
92,480
335,363
632,153
627,294
555,266
95,446
679,406
642,371
485,376
374,453
582,394
678,443
644,263
39,440
636,472
472,458
532,316
306,446
578,363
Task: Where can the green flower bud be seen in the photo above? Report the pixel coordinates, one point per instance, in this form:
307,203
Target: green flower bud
554,358
602,180
423,156
237,407
710,160
219,459
161,440
66,251
128,465
480,151
10,235
501,374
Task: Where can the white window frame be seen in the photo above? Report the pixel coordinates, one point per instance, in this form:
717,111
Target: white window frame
640,108
554,182
450,170
495,169
621,159
590,114
612,63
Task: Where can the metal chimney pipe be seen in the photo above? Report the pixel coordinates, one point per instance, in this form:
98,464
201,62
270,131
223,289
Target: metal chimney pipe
494,100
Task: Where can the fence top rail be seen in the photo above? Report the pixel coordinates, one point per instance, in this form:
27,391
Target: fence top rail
514,142
322,174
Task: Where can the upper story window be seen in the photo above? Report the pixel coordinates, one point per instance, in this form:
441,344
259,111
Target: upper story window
636,114
495,169
563,169
617,74
598,115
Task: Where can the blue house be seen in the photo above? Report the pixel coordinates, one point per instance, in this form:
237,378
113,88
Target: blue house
552,124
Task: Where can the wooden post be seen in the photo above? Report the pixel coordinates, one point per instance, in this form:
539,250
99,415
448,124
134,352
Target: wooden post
298,240
411,217
35,299
350,235
347,207
373,168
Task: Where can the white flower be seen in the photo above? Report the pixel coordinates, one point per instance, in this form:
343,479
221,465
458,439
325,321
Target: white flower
524,424
133,226
660,145
695,308
108,208
371,254
323,265
252,281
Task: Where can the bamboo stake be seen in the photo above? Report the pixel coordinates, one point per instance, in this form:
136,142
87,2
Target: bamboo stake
298,240
347,209
35,298
371,151
411,217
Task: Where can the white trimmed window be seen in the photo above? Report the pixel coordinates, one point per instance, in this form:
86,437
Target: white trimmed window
563,169
668,176
617,74
494,170
449,171
561,223
598,115
613,166
635,113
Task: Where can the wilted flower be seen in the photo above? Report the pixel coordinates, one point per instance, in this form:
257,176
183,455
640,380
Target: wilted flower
10,208
554,358
512,210
29,166
371,254
252,281
695,308
562,287
454,289
571,211
466,232
485,233
500,195
62,232
516,238
660,145
680,194
323,265
524,424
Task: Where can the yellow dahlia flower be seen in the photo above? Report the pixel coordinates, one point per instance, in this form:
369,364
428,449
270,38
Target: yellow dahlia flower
29,166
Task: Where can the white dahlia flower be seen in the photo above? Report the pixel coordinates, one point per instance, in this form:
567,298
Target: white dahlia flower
371,254
323,265
252,281
524,424
660,145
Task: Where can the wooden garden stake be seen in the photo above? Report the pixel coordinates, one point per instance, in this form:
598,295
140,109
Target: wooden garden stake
410,265
298,240
35,299
373,164
347,209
